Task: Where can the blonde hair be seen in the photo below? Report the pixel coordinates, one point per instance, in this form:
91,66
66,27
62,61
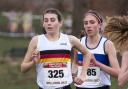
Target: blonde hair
117,31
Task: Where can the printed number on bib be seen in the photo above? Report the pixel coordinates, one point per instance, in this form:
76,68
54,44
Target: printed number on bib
91,72
93,75
55,76
55,73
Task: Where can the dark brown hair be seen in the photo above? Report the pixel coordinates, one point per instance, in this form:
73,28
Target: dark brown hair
54,11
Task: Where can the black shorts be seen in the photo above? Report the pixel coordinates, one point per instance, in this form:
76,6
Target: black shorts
65,87
104,87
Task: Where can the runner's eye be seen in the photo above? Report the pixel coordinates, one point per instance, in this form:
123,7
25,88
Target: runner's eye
92,22
45,20
52,19
85,22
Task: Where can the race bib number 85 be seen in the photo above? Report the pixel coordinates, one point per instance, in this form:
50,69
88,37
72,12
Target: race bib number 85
93,75
91,72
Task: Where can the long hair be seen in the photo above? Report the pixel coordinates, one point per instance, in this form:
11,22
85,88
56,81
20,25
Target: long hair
117,31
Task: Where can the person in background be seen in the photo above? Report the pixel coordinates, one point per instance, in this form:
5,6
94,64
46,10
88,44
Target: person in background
117,30
14,20
68,24
105,63
27,19
51,53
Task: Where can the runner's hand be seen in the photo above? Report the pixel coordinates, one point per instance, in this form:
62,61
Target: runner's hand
35,56
79,80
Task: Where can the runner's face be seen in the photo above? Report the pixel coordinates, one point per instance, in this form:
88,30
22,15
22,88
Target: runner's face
91,25
51,23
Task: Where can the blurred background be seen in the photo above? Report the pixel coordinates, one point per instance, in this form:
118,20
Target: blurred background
21,19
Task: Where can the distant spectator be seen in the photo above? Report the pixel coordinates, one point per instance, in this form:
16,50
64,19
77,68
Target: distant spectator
68,24
27,22
13,18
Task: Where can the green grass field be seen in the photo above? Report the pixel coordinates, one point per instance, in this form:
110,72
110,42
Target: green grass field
10,75
8,43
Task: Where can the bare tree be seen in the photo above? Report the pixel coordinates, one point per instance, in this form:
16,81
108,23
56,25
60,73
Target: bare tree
79,7
105,7
123,7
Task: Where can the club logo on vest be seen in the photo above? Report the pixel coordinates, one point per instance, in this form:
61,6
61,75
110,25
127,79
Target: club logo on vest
63,43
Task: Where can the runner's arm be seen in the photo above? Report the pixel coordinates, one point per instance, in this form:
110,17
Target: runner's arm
29,60
123,75
86,55
114,68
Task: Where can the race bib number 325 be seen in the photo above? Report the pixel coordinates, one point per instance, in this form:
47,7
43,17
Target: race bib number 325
55,76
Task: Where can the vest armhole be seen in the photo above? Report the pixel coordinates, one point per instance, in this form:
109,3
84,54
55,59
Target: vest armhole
104,46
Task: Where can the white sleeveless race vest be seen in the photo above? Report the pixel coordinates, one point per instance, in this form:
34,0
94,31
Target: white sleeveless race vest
54,66
95,76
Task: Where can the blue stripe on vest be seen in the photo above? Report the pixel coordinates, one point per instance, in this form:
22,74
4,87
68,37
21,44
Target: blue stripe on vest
79,57
100,57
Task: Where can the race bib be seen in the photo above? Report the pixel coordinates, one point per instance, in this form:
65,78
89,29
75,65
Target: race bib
55,74
93,75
